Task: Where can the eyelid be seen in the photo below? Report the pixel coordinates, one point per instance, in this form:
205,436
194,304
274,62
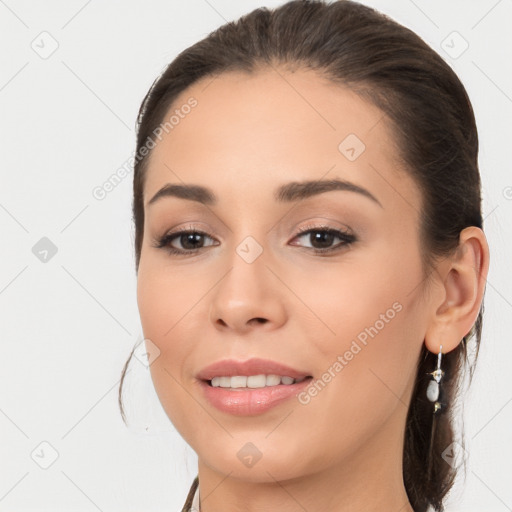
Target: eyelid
186,227
324,226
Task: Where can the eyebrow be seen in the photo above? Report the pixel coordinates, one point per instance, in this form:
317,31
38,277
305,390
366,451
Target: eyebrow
289,192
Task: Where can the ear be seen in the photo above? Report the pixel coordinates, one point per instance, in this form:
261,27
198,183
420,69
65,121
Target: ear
461,284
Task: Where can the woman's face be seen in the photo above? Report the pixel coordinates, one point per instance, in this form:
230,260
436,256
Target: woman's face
352,319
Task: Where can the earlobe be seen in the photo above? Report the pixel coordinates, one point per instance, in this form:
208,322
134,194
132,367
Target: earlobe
464,276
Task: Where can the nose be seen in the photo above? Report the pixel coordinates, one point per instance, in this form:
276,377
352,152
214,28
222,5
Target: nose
249,296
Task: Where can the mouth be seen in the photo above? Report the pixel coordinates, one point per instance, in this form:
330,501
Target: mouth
250,387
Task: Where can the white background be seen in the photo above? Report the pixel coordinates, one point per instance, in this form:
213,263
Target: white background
67,325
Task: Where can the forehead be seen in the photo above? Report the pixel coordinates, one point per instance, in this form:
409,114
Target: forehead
254,131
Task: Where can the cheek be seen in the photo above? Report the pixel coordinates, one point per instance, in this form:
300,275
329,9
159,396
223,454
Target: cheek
173,307
366,370
344,299
167,299
369,312
163,304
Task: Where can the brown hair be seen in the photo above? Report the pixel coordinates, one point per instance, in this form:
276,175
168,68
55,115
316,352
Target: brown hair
434,125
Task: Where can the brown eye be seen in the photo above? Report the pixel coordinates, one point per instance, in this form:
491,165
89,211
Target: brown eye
190,241
184,241
321,239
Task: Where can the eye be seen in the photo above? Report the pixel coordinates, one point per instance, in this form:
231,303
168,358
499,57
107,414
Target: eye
321,238
190,240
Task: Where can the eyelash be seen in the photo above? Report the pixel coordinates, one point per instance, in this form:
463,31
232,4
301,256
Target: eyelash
165,241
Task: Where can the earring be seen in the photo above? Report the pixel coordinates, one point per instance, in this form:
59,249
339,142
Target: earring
433,385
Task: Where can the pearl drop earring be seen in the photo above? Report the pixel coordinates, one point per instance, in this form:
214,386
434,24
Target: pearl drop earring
433,385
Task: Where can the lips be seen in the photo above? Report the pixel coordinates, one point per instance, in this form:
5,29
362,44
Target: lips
245,401
254,366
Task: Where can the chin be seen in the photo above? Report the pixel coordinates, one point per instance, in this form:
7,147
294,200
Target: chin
255,461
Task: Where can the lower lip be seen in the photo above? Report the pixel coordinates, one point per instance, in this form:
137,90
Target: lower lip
251,401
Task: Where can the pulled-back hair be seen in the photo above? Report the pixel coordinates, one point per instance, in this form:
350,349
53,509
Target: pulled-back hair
434,127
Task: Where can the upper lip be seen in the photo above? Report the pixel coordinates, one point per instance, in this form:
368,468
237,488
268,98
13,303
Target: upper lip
254,366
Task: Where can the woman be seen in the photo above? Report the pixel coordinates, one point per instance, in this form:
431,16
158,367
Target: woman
310,259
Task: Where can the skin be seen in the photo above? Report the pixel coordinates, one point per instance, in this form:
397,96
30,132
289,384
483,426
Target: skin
247,135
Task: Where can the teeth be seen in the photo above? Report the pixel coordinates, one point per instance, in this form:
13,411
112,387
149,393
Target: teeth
273,380
225,382
256,381
253,381
238,382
